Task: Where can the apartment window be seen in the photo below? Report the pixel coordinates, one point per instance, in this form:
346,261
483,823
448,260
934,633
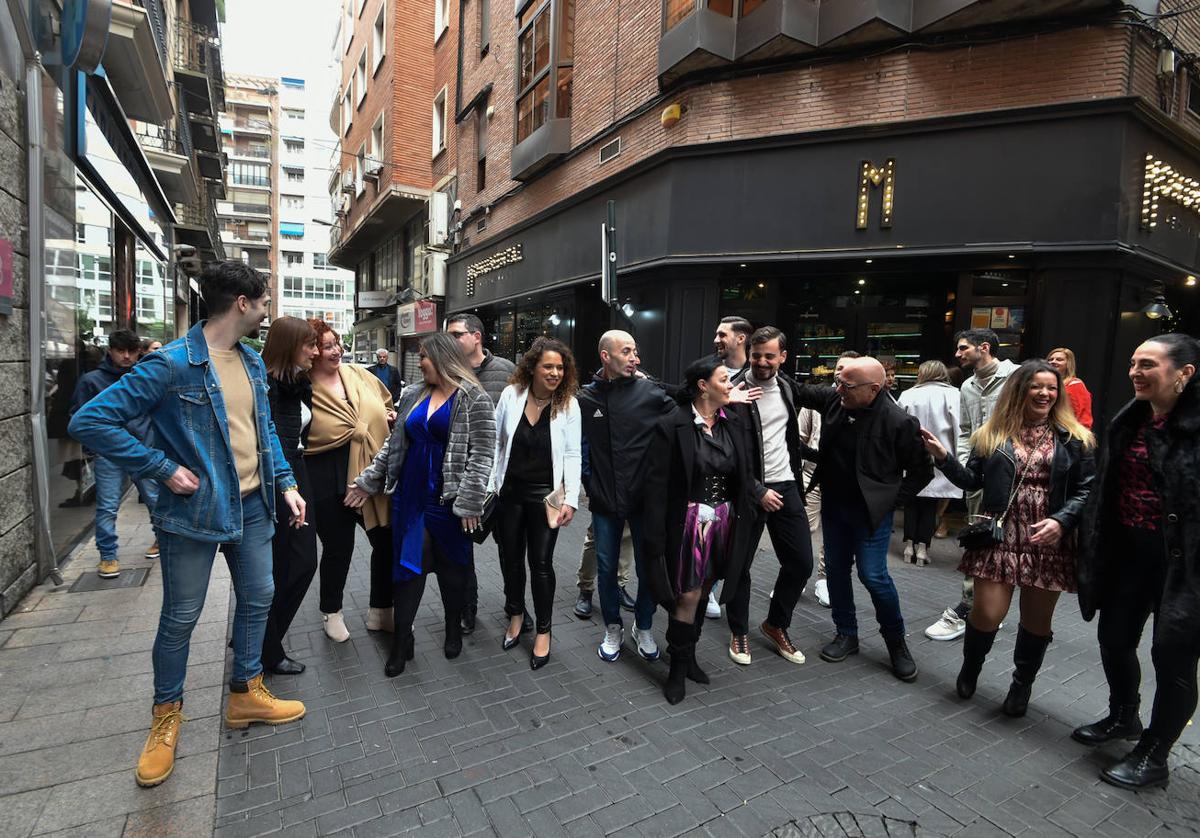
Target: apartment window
379,37
481,142
321,260
347,112
293,174
441,17
292,258
295,202
377,154
293,114
348,26
360,76
675,11
360,163
293,145
485,26
544,62
249,174
439,123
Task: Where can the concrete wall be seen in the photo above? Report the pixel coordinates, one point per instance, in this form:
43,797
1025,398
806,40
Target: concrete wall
18,572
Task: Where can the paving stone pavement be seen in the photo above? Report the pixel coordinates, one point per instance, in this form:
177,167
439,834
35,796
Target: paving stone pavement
483,746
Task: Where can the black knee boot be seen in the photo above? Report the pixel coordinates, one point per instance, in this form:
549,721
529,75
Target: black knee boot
1028,654
681,645
976,645
694,671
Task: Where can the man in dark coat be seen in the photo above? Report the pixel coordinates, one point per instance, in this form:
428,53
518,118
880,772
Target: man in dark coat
385,372
871,460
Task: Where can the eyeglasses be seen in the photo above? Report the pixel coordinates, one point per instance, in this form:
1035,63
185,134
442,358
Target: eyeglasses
457,335
843,384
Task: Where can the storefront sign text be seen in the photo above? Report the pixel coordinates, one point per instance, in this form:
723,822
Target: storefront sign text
374,299
870,177
417,318
508,256
1162,181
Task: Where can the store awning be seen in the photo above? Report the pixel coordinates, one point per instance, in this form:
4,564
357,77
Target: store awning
290,228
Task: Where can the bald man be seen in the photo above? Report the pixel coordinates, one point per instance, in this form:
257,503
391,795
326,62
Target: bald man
620,412
871,460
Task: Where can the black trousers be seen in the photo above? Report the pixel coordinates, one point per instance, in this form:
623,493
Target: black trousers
793,548
452,581
521,532
920,520
293,565
1132,596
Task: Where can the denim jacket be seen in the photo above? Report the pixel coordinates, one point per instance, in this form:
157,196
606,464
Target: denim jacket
178,389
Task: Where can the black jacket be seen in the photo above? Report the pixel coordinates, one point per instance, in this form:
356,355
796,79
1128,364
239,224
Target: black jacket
797,451
892,464
391,378
100,379
667,483
285,398
1175,460
1071,474
619,420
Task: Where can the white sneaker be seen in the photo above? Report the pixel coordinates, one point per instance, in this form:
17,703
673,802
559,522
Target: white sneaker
821,592
907,553
335,627
921,555
950,627
712,608
646,646
610,647
379,619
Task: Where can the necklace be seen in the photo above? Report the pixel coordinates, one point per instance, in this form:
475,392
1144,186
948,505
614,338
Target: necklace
540,403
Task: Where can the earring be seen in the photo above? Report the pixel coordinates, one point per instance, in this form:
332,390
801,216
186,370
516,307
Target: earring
1179,386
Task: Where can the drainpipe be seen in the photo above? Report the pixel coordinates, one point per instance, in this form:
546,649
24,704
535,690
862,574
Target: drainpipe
43,544
462,10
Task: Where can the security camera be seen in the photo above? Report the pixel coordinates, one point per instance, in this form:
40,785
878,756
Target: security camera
458,206
187,259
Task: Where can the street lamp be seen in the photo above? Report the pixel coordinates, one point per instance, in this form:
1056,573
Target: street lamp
1157,309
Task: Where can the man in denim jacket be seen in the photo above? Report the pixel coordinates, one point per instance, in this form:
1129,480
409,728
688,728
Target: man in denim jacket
217,453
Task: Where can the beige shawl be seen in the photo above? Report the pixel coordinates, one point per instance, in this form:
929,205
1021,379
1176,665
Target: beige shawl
361,421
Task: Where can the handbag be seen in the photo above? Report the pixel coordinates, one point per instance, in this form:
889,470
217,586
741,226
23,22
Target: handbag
487,519
988,531
554,504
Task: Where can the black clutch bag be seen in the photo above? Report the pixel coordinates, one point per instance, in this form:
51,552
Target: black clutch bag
487,520
987,532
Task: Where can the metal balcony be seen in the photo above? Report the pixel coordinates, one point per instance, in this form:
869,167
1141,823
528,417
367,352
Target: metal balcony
169,153
135,61
198,68
196,225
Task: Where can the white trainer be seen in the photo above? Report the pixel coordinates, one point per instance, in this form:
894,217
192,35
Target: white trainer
950,627
821,592
335,627
646,646
379,619
610,647
921,555
712,608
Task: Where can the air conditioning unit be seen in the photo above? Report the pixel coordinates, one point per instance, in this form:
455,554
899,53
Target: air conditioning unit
439,218
433,270
343,207
348,182
372,169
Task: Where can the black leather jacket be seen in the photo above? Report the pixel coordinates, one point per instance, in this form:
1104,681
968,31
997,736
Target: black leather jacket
285,398
1071,475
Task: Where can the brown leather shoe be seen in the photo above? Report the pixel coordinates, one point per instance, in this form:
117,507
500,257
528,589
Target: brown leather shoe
782,643
257,704
158,756
739,649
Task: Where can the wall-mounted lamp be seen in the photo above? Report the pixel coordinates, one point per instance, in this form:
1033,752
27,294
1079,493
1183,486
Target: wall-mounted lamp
672,114
627,309
1157,309
1190,282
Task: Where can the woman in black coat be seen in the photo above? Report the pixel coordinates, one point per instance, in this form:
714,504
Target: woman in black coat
699,513
1140,555
288,355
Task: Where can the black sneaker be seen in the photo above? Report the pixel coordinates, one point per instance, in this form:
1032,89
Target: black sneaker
583,605
627,602
841,647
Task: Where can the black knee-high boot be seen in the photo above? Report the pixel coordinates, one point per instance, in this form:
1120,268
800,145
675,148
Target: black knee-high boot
681,645
694,671
976,645
1028,654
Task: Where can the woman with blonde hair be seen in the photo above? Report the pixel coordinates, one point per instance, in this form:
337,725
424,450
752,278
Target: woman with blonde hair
1063,360
934,402
1034,462
436,465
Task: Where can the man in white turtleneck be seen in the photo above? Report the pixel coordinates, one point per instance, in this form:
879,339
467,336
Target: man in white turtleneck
975,351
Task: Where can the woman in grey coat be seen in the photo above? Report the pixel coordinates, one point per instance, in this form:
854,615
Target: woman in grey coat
935,403
436,466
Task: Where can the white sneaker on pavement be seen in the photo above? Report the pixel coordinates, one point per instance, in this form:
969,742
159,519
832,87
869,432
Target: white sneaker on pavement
646,646
610,647
949,627
821,592
335,627
712,608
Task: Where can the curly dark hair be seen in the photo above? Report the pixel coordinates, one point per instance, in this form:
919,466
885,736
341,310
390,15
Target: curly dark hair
522,376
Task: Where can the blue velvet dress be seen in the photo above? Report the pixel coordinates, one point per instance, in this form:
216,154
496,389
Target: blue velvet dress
416,504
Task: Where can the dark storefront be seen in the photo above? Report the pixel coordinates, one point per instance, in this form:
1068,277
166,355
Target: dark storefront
885,241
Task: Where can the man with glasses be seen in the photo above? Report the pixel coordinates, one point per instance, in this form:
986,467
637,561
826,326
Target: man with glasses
493,374
871,459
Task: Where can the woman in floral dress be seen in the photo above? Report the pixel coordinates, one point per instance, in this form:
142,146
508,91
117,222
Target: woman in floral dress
1034,462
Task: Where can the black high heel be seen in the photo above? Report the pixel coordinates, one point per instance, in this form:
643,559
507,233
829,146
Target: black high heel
402,652
538,661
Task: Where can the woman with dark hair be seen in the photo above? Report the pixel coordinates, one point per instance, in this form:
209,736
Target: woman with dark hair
352,411
699,513
935,405
288,355
1140,555
1034,463
436,466
1063,360
538,430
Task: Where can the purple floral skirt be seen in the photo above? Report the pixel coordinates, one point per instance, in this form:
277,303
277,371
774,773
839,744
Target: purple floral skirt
705,547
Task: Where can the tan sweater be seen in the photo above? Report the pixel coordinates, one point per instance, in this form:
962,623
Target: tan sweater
239,412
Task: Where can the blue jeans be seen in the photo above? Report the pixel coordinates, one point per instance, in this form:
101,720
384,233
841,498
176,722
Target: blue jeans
848,538
110,480
186,566
607,530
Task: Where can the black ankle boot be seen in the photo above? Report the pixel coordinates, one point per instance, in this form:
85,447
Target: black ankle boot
903,665
454,633
976,645
694,672
681,645
1122,722
401,652
1143,767
1028,654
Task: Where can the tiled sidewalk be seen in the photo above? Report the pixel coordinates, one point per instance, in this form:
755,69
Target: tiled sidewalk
75,699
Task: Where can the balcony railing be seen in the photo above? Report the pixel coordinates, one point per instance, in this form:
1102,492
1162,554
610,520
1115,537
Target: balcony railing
198,59
193,46
202,213
248,180
166,140
259,209
258,153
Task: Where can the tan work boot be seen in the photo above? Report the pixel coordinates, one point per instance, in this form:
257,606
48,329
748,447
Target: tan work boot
257,704
108,569
158,757
152,553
